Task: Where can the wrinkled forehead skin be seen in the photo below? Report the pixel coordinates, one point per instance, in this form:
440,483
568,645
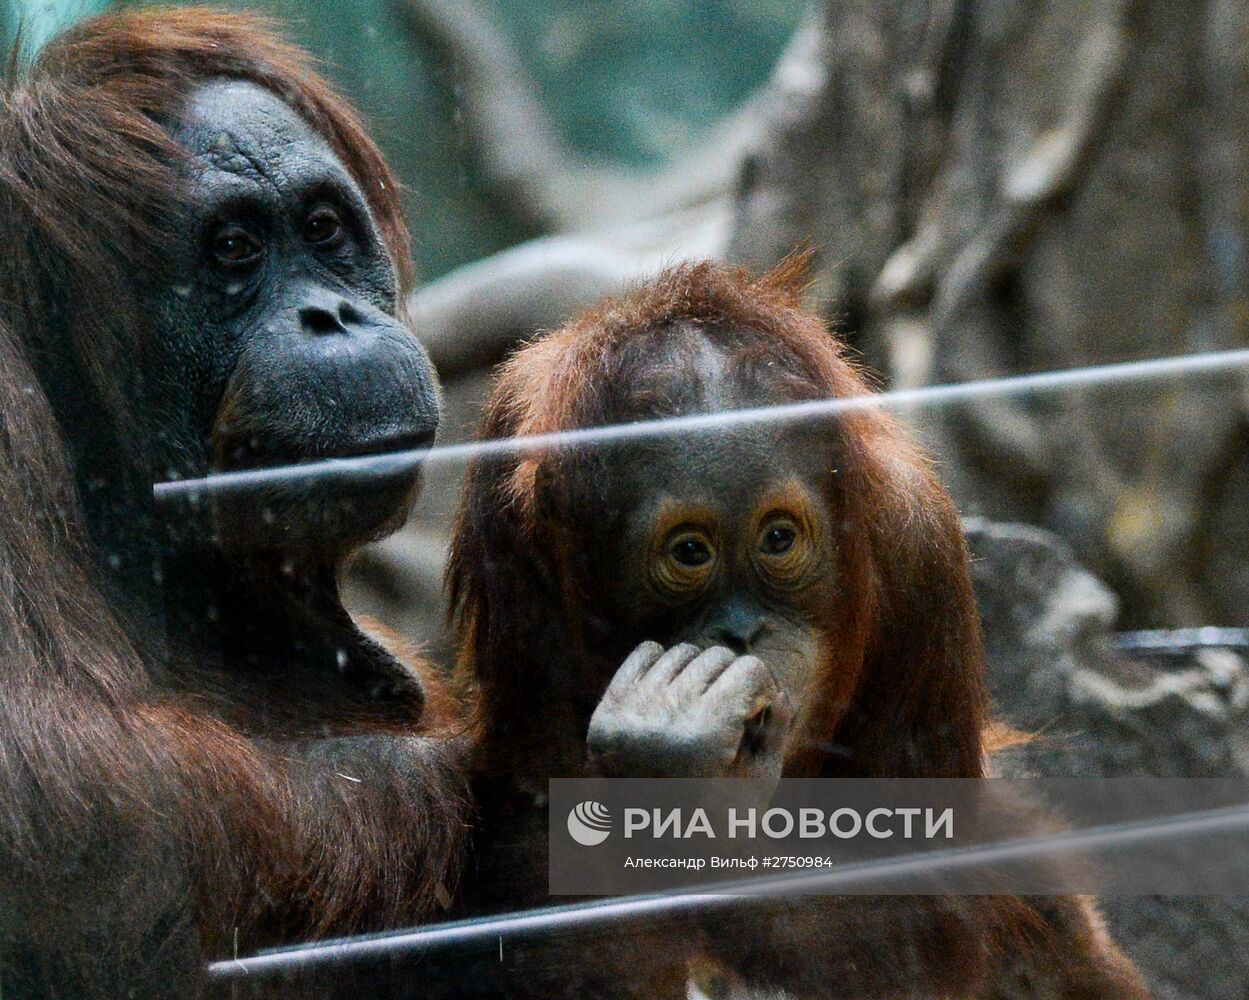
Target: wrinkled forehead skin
242,129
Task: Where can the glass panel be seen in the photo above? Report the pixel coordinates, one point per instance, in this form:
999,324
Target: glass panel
294,687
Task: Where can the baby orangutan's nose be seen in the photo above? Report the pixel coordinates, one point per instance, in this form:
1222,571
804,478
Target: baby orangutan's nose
738,627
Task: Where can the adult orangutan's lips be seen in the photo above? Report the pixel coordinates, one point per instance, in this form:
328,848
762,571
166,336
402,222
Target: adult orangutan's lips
256,454
391,444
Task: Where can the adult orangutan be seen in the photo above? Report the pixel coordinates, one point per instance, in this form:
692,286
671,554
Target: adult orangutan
786,599
200,751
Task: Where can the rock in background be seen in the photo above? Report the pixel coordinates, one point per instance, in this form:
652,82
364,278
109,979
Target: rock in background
1055,670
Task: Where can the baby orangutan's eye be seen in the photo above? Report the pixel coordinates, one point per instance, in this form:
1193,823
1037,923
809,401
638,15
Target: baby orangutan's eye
778,541
682,563
690,552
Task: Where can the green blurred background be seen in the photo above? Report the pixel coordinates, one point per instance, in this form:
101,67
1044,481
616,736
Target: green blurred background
625,82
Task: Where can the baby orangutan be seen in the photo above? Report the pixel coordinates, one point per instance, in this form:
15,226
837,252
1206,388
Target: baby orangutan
787,598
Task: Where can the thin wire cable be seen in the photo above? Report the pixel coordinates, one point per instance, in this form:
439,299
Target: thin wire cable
1183,640
1018,385
738,893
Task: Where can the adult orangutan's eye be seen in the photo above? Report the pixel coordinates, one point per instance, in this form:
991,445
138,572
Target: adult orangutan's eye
324,228
232,245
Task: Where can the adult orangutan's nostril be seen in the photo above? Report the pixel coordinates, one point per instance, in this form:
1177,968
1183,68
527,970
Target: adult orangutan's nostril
318,320
348,313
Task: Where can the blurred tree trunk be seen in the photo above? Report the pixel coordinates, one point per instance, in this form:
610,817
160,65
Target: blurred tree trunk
999,187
